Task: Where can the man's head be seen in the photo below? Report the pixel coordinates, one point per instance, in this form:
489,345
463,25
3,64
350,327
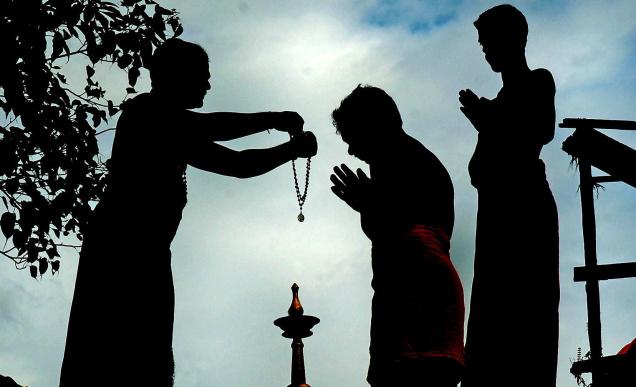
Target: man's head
365,119
180,71
503,32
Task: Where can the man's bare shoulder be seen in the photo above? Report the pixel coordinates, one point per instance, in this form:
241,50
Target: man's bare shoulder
542,78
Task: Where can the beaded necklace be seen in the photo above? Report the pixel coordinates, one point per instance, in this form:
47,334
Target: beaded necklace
303,197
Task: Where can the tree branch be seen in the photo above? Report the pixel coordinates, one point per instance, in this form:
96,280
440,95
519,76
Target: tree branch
89,100
70,246
13,202
81,50
15,117
16,260
104,131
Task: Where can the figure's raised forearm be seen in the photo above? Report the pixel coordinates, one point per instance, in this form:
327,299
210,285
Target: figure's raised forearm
243,164
224,126
216,158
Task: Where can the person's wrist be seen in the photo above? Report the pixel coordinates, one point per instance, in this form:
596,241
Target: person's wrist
269,119
293,148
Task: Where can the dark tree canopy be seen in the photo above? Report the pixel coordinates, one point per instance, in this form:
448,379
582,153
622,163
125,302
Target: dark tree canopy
50,168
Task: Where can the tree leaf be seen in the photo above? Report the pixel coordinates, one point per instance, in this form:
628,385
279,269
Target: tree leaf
12,185
178,31
96,120
137,61
55,266
19,239
52,252
111,108
43,264
139,10
162,11
7,223
176,26
124,61
90,71
34,271
102,20
58,45
146,52
133,74
73,30
32,252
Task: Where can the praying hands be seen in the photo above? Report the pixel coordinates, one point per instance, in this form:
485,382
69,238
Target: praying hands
352,188
473,107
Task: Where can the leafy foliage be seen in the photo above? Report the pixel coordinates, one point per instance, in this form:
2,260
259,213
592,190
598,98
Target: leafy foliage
50,169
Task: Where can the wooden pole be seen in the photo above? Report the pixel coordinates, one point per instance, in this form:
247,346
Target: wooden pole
591,285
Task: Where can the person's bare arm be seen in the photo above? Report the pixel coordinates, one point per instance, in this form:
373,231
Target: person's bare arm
212,157
224,126
539,114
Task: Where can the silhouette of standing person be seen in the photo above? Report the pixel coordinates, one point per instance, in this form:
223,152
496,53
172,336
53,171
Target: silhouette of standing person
120,327
515,294
406,209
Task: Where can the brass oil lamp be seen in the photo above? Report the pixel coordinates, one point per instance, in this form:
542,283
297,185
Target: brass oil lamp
297,326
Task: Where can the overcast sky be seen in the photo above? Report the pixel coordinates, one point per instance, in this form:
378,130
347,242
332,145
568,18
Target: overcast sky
240,247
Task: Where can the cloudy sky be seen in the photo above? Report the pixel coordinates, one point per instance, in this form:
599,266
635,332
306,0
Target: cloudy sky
240,247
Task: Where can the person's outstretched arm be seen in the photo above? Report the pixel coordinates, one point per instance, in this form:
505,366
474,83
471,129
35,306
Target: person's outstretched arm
212,157
224,126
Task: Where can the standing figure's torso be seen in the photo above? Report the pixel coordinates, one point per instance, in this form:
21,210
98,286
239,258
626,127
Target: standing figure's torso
411,187
147,169
121,321
519,122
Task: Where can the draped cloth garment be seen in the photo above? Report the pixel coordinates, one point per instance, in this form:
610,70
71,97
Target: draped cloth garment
417,308
512,333
121,321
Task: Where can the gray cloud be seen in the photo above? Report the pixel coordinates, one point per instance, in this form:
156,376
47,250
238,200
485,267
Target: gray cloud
239,247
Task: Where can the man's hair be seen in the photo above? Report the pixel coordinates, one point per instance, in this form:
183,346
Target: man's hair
173,59
503,23
367,107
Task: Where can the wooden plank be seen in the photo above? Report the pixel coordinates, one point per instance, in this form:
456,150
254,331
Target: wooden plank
610,371
591,123
605,272
605,179
604,363
612,157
